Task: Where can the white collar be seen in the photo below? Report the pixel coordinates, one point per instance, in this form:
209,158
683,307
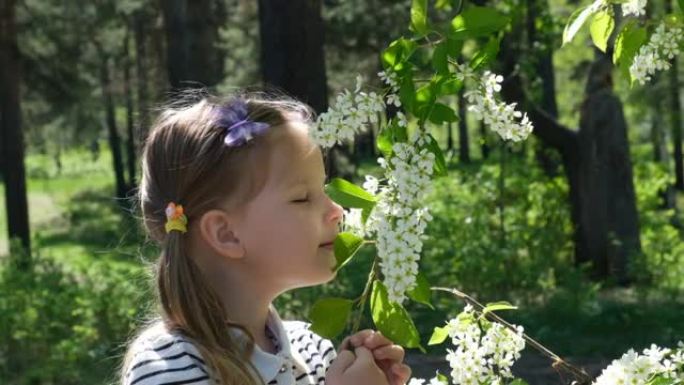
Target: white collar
268,364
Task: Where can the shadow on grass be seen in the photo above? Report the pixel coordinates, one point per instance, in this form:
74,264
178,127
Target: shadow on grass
95,221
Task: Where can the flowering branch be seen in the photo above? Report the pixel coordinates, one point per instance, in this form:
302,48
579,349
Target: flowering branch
558,363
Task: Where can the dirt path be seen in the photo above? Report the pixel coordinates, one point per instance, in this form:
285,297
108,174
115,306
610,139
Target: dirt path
533,368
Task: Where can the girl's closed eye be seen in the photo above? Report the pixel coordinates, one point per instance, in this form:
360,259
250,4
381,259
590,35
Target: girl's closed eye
301,200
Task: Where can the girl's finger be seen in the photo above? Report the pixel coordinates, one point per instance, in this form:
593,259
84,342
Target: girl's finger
390,352
402,373
345,345
376,340
358,338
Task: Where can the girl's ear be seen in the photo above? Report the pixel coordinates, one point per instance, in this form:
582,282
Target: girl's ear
218,230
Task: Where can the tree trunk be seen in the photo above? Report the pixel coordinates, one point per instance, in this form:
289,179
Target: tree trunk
140,34
676,122
128,96
484,147
292,49
463,141
675,116
193,59
543,63
598,167
659,141
12,141
292,59
110,118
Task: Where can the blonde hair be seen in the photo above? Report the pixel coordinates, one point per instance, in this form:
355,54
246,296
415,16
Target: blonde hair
185,161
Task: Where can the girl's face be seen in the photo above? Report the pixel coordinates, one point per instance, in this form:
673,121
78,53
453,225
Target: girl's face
285,226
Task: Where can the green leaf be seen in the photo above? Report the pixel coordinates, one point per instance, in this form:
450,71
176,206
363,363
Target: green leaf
575,23
384,142
443,5
627,44
628,41
419,17
345,246
440,59
365,213
392,319
439,335
396,55
454,47
476,22
440,163
425,94
442,378
348,194
681,6
442,113
660,380
602,26
407,93
329,316
421,292
450,87
495,306
486,54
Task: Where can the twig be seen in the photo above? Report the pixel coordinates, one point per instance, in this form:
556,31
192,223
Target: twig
364,296
558,363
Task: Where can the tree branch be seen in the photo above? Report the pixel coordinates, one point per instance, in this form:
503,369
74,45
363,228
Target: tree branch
558,363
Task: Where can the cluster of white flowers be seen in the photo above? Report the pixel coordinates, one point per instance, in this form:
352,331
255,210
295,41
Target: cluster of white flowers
629,7
390,79
634,7
420,381
353,222
347,117
501,117
484,351
640,369
653,56
399,219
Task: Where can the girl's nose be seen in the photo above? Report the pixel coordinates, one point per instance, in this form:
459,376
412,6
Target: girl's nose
335,213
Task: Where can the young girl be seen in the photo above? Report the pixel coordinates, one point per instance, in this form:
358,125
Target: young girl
232,190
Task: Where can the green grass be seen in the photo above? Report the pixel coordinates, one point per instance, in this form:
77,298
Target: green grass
73,215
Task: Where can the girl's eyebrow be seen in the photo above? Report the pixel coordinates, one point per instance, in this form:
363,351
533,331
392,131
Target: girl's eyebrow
295,182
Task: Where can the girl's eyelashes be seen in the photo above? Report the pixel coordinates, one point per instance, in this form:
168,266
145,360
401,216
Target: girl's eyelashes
301,200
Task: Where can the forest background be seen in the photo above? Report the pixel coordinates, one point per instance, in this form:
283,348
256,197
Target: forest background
81,80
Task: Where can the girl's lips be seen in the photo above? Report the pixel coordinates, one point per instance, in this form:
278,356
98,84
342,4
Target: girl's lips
328,245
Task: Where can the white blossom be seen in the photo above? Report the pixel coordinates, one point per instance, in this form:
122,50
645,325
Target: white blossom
634,7
399,219
639,369
390,78
401,119
353,222
371,184
349,116
653,56
393,99
502,118
484,351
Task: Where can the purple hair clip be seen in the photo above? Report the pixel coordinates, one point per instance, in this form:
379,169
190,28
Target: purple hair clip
239,130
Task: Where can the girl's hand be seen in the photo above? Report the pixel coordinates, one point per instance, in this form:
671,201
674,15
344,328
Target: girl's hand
357,368
388,356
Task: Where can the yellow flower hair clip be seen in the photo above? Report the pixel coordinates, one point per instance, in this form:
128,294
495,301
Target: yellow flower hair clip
175,219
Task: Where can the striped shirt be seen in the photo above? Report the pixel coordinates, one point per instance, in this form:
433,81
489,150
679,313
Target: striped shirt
161,357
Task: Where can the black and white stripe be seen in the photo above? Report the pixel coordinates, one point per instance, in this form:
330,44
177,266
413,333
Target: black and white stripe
165,358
